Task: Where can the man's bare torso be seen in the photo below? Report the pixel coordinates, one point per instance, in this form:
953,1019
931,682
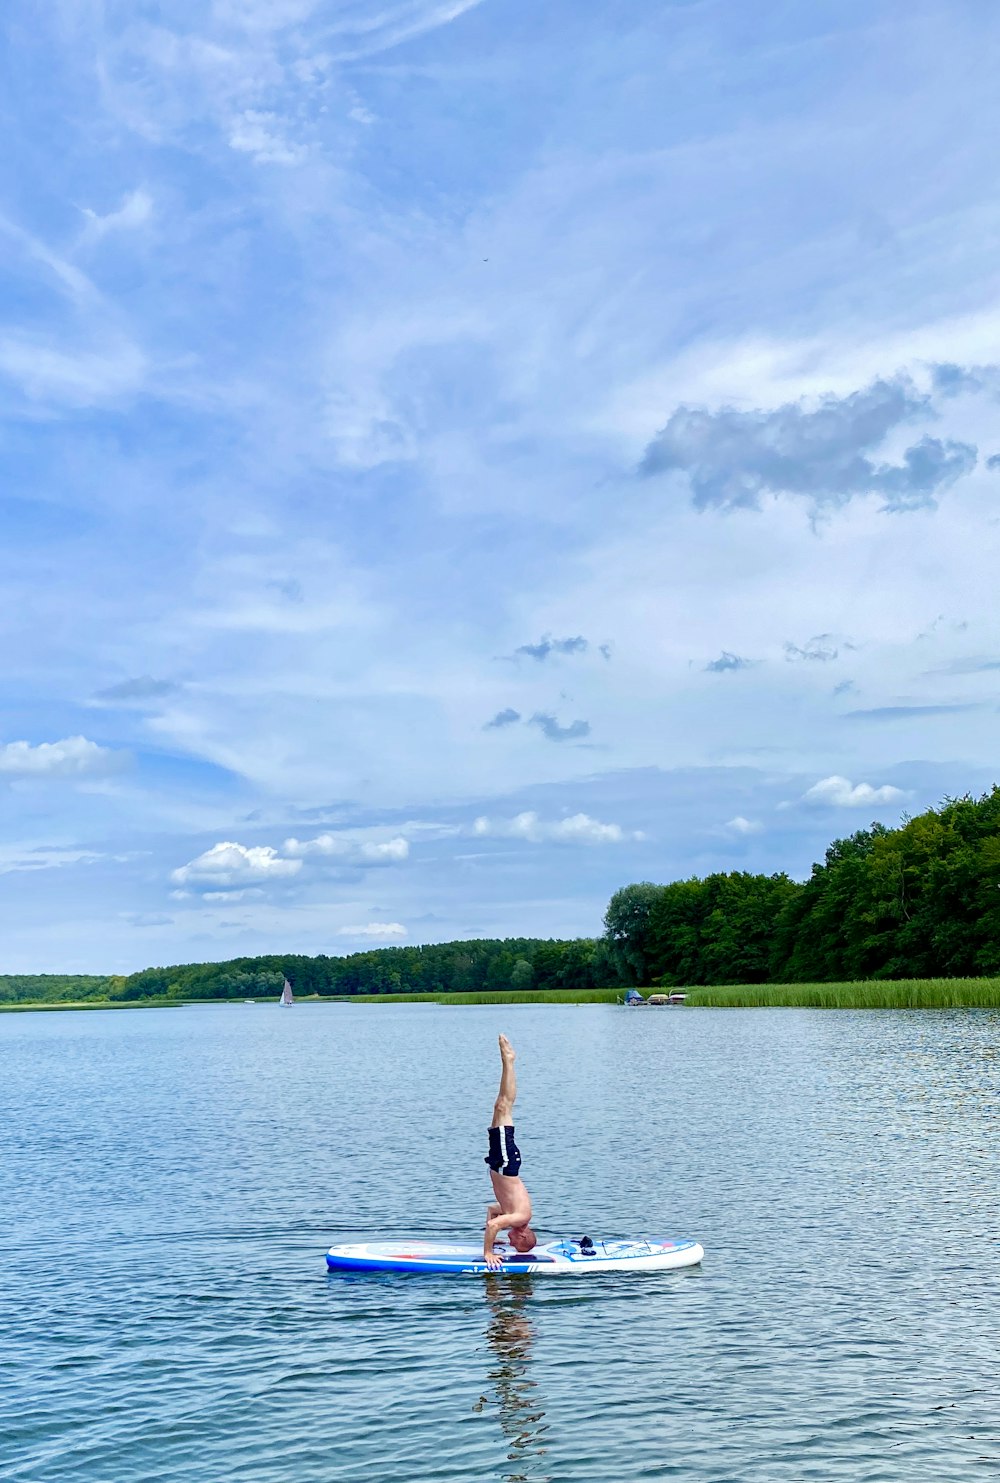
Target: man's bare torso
512,1197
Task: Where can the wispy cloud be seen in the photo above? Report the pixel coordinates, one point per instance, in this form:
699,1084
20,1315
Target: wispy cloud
820,649
907,712
547,645
135,211
380,931
727,661
508,717
143,687
552,730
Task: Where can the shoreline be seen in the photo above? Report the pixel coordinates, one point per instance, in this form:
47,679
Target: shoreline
880,994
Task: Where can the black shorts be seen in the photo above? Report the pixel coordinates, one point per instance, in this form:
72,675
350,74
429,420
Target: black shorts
504,1156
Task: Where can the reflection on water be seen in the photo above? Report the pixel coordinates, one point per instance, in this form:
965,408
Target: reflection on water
510,1334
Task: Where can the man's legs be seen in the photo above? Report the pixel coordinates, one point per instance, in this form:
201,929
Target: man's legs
503,1107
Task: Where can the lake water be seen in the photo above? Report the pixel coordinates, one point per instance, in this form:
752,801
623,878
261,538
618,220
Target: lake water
170,1179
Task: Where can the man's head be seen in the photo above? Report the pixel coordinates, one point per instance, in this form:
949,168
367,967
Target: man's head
522,1238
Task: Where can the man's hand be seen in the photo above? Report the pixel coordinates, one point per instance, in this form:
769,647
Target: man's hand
493,1260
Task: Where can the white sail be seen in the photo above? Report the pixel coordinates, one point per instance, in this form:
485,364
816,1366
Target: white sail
286,994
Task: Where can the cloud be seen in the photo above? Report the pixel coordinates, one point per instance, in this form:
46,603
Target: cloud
820,648
577,829
548,645
727,661
374,929
732,459
739,825
351,851
971,666
904,712
75,756
143,687
43,857
263,136
951,380
838,792
846,687
553,731
508,717
993,462
230,864
135,211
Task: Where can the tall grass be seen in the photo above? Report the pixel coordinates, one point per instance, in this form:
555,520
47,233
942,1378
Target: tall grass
898,993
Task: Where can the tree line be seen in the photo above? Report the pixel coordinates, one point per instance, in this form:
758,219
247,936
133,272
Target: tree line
436,968
918,901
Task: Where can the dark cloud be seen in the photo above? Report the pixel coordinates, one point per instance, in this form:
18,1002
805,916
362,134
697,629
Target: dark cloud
143,687
820,648
727,661
951,380
288,587
903,712
844,688
548,645
550,728
604,650
993,462
503,718
732,458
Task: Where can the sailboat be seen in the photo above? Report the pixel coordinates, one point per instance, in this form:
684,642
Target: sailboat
286,994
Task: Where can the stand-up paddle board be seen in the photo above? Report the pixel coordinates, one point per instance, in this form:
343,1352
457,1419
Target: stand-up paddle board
565,1257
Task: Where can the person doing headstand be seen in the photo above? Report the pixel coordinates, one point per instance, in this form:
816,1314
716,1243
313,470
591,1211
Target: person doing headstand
512,1210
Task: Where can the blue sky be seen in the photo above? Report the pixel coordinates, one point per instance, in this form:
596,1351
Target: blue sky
459,458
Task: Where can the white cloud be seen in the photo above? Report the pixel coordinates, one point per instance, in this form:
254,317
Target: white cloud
263,136
231,864
79,377
838,792
74,756
362,852
739,825
375,929
135,211
577,829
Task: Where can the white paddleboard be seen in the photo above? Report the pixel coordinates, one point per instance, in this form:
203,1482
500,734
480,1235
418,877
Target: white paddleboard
564,1257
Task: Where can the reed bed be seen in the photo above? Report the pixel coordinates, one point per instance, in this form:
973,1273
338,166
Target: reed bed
897,993
499,996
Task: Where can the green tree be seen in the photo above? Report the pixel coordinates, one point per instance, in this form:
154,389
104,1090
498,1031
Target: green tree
627,928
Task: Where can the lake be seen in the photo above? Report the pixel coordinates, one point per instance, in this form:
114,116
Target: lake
170,1179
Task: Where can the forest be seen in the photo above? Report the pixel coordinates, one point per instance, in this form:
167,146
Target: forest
918,901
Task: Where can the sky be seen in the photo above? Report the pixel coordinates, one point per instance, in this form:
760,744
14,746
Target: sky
461,457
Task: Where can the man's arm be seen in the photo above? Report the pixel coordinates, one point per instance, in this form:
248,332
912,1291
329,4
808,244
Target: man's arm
494,1225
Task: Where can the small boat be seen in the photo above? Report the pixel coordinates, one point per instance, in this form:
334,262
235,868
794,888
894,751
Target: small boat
249,1001
286,994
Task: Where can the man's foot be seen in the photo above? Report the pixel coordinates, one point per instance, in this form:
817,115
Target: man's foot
506,1050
